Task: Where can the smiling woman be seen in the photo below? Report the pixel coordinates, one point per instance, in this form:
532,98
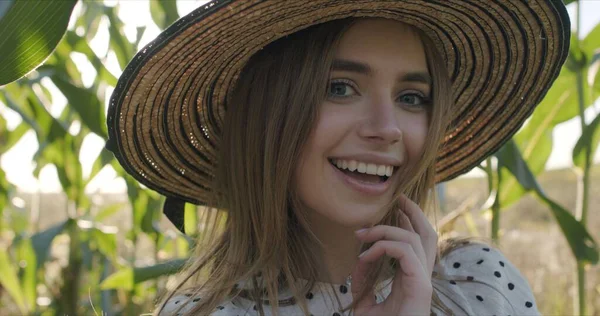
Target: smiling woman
316,134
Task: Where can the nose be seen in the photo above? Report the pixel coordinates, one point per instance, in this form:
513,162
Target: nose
381,124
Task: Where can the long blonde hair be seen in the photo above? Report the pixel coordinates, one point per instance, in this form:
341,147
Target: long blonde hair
257,228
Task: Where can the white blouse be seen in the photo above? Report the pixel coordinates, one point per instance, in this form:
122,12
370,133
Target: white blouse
482,281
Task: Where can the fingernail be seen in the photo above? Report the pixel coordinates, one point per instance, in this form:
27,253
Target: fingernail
364,252
360,231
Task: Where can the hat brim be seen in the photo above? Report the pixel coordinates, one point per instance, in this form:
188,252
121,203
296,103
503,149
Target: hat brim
166,113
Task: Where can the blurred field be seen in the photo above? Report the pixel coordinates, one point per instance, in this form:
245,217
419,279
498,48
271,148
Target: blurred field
530,237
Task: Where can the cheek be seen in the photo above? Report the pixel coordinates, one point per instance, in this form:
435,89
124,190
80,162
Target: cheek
331,127
311,173
415,137
314,154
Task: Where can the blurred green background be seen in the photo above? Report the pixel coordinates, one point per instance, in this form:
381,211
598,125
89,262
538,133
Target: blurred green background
78,236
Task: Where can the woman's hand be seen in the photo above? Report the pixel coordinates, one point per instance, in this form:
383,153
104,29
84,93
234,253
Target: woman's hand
415,246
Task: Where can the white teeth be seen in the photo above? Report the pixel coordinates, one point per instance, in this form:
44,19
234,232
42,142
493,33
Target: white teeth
363,167
372,169
352,165
381,170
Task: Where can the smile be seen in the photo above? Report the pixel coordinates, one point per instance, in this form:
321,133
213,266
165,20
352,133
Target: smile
364,177
364,167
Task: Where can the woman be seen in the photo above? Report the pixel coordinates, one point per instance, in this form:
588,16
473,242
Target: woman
315,132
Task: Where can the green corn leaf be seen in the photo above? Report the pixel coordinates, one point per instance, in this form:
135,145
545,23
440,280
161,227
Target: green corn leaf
577,58
164,12
127,278
64,65
64,155
591,42
4,192
24,101
85,103
104,158
45,95
79,44
29,33
510,192
183,244
191,219
10,281
4,132
146,205
41,241
595,68
123,49
15,136
12,137
122,279
587,144
55,142
106,243
166,268
36,76
27,261
14,97
153,215
582,244
90,18
108,211
535,139
596,85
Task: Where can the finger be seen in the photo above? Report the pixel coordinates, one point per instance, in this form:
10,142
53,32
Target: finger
359,278
423,228
411,265
405,222
385,232
411,282
417,217
429,245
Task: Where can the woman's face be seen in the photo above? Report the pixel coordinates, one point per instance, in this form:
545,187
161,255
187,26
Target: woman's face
373,121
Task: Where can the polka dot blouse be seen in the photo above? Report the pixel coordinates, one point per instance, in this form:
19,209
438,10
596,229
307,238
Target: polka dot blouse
480,281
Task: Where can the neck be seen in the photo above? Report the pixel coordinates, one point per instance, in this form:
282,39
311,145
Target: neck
340,249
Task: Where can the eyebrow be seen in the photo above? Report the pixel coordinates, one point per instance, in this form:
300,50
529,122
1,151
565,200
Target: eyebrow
362,68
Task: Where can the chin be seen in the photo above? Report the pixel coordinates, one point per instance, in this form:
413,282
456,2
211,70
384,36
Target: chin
357,215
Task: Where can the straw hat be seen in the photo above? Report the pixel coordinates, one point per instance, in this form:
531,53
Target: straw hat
167,110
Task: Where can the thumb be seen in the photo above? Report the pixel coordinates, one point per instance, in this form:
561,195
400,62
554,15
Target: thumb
359,278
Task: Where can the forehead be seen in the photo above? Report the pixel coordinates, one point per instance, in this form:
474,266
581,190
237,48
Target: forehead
383,43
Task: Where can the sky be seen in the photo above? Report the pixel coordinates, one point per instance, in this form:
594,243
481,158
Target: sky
19,165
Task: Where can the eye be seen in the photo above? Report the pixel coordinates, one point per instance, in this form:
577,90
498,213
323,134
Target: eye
341,89
414,99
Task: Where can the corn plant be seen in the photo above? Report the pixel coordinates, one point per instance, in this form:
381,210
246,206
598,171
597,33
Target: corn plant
525,157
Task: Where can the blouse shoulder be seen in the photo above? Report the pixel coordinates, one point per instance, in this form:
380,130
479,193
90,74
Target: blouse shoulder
478,279
183,304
